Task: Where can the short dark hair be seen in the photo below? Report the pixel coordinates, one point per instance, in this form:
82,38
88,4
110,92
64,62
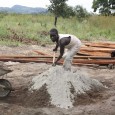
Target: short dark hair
53,31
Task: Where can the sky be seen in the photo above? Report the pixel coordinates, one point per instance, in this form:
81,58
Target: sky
44,3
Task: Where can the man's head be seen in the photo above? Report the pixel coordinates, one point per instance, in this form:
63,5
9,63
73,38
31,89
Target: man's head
54,34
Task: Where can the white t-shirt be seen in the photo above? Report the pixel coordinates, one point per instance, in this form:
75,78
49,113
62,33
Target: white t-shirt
74,40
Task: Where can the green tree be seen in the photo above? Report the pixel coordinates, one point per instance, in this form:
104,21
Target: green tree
57,7
81,13
68,11
105,7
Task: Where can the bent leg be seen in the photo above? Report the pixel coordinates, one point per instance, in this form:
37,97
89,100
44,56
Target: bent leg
67,60
67,64
68,56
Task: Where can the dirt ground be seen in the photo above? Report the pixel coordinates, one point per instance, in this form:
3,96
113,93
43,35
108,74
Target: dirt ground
23,102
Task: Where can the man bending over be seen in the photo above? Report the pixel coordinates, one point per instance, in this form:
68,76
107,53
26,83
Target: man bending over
70,42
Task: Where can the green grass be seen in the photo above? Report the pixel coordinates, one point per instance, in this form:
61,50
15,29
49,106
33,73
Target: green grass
36,27
10,43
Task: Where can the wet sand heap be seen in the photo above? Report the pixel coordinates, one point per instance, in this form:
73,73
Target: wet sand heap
63,86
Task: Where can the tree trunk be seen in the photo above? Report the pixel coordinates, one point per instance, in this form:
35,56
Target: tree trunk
55,22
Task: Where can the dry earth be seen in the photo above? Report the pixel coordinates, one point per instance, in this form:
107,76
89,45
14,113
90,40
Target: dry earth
23,102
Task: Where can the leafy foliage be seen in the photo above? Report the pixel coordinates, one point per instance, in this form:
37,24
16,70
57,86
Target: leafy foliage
105,7
60,8
57,7
81,13
68,11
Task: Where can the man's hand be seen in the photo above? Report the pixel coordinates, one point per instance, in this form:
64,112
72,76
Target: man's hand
54,49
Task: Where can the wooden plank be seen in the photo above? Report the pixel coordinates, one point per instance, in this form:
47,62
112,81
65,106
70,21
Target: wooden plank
100,44
75,61
92,57
22,56
42,53
42,56
95,61
96,53
27,60
96,49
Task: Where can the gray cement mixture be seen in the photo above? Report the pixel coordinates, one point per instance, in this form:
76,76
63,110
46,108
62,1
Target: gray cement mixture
63,86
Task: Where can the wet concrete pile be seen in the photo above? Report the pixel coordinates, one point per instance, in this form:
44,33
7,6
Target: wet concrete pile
64,86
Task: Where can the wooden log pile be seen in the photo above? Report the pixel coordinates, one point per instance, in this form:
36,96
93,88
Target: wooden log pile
91,53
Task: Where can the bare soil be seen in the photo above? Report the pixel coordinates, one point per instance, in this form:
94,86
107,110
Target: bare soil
23,102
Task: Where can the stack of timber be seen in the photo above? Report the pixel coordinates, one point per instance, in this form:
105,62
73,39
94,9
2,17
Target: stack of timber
91,53
97,48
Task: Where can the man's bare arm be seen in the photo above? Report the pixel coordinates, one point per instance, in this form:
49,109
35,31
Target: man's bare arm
56,47
62,43
62,47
